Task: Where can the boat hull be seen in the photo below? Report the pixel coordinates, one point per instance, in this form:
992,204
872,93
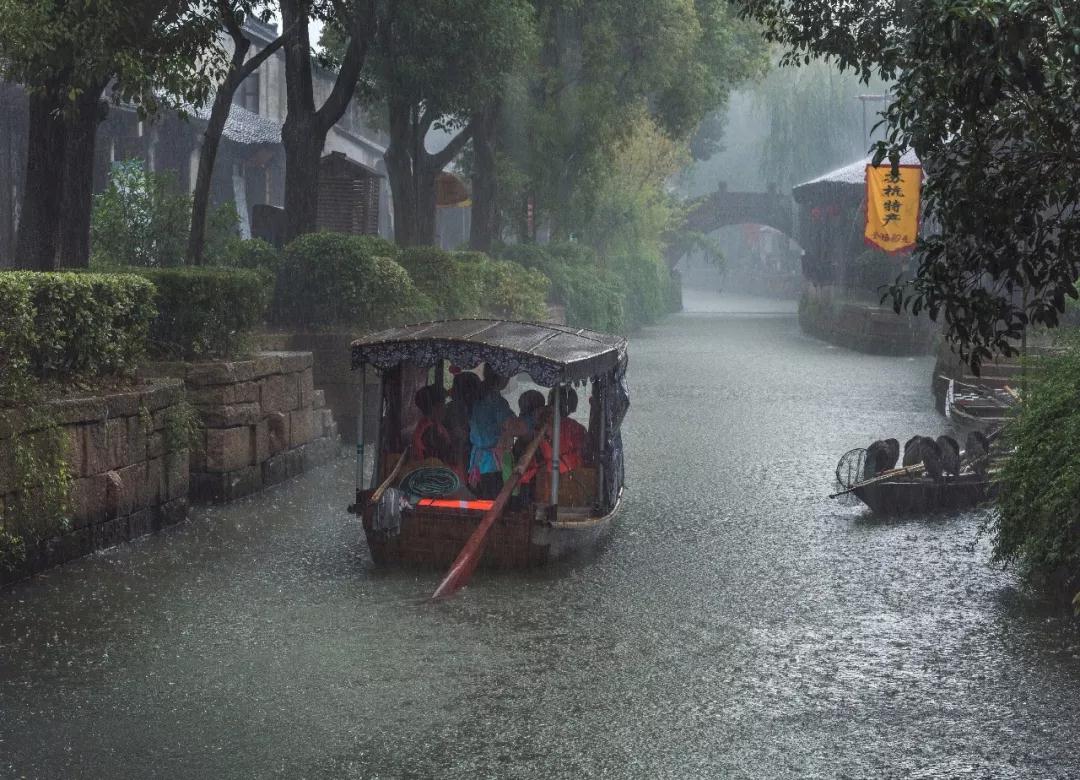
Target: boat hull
924,496
519,539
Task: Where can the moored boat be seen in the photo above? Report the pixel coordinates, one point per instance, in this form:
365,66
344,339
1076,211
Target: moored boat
923,495
423,512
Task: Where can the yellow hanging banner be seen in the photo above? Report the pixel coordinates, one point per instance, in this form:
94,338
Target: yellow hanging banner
892,206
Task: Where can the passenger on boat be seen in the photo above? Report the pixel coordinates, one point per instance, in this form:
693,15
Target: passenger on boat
573,439
464,392
530,407
430,438
491,416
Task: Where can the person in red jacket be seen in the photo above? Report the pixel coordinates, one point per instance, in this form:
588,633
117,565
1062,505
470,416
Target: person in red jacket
430,438
573,438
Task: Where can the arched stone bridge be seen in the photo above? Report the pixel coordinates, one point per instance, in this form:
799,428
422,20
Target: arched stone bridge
723,208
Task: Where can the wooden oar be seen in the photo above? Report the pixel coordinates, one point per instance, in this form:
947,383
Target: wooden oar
389,480
907,471
465,563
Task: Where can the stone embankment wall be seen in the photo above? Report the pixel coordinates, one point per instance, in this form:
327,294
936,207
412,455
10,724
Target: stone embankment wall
263,422
130,473
826,313
333,374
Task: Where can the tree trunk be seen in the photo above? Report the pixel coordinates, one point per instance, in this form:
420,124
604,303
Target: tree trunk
413,173
304,132
426,204
77,200
43,189
484,228
211,142
399,168
303,152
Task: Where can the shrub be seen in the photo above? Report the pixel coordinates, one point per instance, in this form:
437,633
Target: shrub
142,219
63,326
592,295
471,284
252,254
329,279
514,292
205,312
455,288
1038,519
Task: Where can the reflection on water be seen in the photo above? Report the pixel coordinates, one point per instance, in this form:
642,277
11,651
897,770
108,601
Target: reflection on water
736,624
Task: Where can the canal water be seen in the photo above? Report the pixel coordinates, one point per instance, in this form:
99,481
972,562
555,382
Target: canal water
736,623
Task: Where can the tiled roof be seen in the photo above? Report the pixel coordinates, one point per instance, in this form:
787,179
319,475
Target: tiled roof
246,127
855,173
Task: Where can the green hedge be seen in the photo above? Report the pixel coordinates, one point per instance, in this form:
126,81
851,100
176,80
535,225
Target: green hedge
1038,523
252,254
64,326
471,284
593,295
329,279
205,313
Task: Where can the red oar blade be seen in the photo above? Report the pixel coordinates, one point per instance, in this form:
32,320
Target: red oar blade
465,564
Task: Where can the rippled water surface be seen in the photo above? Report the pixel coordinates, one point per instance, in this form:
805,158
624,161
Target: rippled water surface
736,623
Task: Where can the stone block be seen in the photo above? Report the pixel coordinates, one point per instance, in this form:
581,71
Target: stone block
318,399
228,449
171,513
136,437
177,474
155,445
325,422
218,488
319,452
110,533
265,364
294,462
307,388
123,404
88,497
301,427
75,544
278,393
261,432
282,467
227,394
76,410
162,393
106,446
141,523
220,372
278,423
292,362
76,451
152,486
230,416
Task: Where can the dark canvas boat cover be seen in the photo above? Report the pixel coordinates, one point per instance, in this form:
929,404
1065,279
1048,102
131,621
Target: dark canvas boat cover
550,354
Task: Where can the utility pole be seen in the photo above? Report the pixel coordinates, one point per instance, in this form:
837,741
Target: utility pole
864,99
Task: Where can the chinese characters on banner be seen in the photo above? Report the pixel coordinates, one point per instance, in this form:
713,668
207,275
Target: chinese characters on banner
892,206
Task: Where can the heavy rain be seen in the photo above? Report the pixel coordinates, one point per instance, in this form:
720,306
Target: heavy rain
539,389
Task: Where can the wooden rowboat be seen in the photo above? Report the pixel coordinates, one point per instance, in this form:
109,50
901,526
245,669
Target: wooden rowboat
565,512
923,495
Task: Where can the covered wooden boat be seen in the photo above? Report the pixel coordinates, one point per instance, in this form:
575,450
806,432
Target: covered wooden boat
923,495
562,511
975,408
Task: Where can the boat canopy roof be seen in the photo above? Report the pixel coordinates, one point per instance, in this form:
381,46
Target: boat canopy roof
550,354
